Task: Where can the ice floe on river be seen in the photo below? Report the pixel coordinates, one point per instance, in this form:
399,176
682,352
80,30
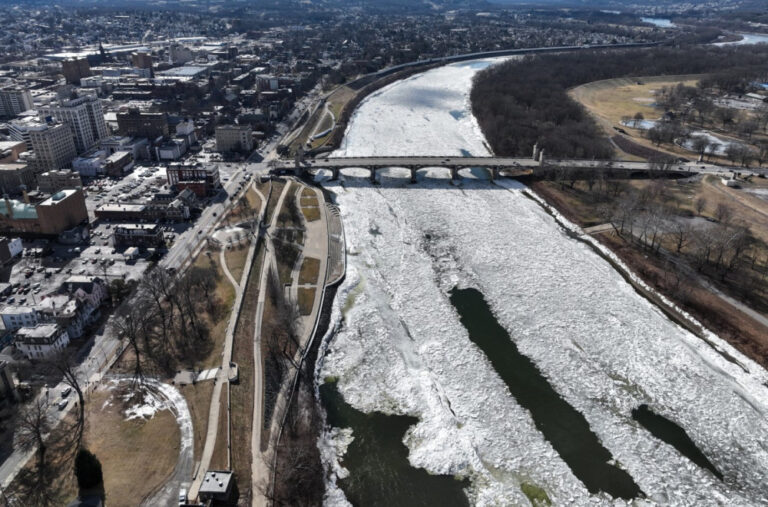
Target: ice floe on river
402,350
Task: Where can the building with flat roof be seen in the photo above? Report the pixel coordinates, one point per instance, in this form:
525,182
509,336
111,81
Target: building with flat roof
53,145
14,100
60,212
175,210
15,175
138,235
216,486
119,163
90,164
15,317
51,182
141,60
137,123
84,115
202,180
10,151
234,138
74,69
41,341
185,73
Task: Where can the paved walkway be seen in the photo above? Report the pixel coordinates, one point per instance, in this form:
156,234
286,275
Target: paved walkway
316,246
259,470
226,358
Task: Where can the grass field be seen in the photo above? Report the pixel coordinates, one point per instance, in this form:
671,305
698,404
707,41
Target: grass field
253,199
136,456
306,300
198,398
242,392
310,269
219,459
612,99
235,259
309,205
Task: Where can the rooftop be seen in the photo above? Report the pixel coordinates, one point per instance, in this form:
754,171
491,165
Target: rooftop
135,208
37,332
58,197
215,482
19,209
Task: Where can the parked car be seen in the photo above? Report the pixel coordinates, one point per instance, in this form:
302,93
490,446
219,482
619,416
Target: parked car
65,392
62,404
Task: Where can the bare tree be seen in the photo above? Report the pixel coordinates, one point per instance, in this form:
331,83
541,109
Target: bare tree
700,144
132,326
681,232
64,364
32,428
700,205
723,213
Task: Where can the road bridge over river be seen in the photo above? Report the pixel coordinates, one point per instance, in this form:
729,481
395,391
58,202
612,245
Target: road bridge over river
502,166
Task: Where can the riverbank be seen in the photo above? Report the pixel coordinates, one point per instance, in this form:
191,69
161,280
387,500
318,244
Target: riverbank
716,314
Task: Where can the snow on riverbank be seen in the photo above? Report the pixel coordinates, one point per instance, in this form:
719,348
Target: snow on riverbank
605,349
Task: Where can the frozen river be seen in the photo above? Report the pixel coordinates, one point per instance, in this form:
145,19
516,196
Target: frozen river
542,304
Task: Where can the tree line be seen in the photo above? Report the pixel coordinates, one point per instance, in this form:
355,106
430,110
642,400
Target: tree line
525,101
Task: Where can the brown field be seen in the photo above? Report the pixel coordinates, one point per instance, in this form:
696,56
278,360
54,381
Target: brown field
254,201
611,99
339,98
242,393
235,259
309,205
198,398
225,295
136,456
310,269
219,459
306,300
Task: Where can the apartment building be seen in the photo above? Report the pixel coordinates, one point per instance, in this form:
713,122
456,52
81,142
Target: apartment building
85,117
234,138
53,145
14,100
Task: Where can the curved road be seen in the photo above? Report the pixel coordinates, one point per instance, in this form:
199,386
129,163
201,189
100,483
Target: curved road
168,494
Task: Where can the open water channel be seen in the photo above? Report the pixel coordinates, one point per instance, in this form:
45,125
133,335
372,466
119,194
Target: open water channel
481,353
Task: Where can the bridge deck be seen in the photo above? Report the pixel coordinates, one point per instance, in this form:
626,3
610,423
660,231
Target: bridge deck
415,162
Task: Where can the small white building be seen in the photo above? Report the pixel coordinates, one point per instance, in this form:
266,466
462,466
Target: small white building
90,164
41,341
14,317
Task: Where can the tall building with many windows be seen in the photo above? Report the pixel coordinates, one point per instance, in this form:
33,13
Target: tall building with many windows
85,117
14,100
136,123
74,69
234,138
53,146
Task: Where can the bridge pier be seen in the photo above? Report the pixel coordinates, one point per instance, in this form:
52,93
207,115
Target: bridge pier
454,173
373,175
335,175
413,174
495,171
